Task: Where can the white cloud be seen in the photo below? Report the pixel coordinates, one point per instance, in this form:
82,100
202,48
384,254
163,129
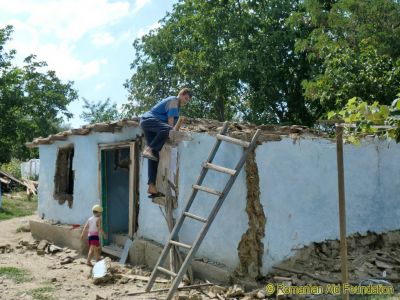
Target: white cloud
68,66
99,86
139,4
51,29
143,31
102,39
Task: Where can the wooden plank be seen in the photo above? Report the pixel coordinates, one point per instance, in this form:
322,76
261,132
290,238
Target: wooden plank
233,140
180,244
114,251
219,168
342,207
206,189
132,217
9,176
144,278
319,278
125,252
195,286
161,269
189,215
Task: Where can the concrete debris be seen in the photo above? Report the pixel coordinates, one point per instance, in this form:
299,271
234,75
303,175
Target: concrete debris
29,244
235,291
106,271
370,256
42,245
382,265
67,260
52,249
191,295
5,248
261,294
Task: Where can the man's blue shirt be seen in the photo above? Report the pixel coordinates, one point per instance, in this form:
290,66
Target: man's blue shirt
168,107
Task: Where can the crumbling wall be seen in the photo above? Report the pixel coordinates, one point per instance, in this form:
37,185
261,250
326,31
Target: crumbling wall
300,193
251,247
372,255
86,175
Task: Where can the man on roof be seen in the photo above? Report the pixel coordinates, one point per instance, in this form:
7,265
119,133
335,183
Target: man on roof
156,125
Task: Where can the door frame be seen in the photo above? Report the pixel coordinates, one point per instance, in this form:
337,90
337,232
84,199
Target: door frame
133,183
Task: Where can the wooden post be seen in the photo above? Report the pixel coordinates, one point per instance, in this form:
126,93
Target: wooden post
132,189
342,207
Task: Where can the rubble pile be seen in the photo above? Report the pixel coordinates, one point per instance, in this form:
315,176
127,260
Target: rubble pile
371,256
245,130
63,255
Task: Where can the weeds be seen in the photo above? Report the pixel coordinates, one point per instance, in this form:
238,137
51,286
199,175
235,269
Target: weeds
42,293
15,274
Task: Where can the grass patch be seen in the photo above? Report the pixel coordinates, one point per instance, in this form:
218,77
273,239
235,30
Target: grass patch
17,206
42,293
15,274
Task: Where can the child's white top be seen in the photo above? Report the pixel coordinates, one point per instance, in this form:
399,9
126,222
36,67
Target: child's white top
92,222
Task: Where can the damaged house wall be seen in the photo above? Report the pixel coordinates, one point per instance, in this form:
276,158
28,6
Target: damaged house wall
86,175
298,185
221,241
284,198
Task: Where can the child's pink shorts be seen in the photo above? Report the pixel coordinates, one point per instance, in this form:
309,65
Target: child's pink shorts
94,240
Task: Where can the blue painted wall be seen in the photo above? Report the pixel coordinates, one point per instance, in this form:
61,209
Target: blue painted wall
222,239
298,186
298,183
86,171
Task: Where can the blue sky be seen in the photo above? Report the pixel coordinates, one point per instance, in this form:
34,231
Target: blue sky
86,41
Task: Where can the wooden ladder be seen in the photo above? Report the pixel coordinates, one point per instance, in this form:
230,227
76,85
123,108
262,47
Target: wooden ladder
208,165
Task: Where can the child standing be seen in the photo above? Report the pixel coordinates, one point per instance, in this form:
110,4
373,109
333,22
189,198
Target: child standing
93,227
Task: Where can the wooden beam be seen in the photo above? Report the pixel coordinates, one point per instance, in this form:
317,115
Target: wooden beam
342,207
188,287
132,187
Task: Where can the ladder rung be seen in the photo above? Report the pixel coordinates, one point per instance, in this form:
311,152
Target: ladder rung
233,140
166,271
180,244
206,189
187,214
219,169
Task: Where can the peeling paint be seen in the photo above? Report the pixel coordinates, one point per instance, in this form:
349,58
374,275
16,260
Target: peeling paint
251,247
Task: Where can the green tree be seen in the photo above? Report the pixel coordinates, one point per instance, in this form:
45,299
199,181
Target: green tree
237,56
99,112
363,119
33,102
353,48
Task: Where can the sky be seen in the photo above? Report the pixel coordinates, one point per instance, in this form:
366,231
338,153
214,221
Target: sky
85,41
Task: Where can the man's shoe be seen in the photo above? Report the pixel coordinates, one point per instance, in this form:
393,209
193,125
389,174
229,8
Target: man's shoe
156,195
147,153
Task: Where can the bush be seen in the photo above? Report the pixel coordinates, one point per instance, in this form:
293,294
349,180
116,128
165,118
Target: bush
13,168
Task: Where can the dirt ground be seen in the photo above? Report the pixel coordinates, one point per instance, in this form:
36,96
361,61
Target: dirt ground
26,272
46,278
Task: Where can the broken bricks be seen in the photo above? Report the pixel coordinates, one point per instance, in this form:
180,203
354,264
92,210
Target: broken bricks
6,248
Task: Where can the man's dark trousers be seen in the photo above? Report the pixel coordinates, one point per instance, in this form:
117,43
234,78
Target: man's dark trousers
156,133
